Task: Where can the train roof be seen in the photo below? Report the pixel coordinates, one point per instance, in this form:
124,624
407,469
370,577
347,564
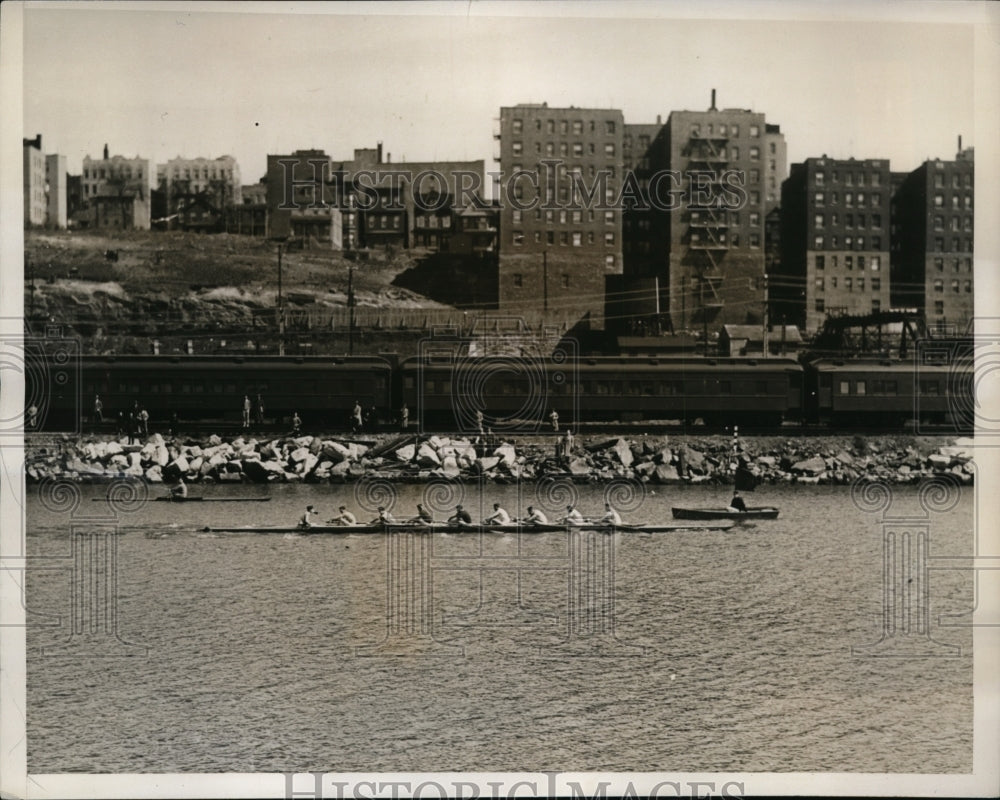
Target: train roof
879,365
217,361
613,363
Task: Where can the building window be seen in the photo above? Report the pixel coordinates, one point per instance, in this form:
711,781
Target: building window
755,240
755,154
833,281
550,237
577,238
609,127
577,126
848,284
609,217
819,198
563,149
564,126
817,220
518,279
968,287
954,287
609,237
578,148
590,237
518,238
609,149
861,283
939,264
516,148
876,304
939,307
577,216
818,243
516,216
755,176
820,177
538,237
820,262
820,284
939,201
939,285
609,261
848,242
516,126
876,284
755,131
820,305
563,237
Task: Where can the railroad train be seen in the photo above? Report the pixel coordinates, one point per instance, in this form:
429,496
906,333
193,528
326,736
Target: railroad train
445,392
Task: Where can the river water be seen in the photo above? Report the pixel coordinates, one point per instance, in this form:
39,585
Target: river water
683,651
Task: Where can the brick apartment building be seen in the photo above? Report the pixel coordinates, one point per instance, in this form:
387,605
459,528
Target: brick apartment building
560,225
932,241
835,240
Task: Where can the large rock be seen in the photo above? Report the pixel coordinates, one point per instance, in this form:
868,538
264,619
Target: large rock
406,453
427,456
301,454
938,461
161,456
340,468
305,466
335,452
811,466
579,466
154,474
254,470
666,473
695,460
450,466
488,462
214,440
624,452
506,454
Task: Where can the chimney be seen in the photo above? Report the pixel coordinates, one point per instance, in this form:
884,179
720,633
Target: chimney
658,122
388,158
379,157
713,101
105,151
959,143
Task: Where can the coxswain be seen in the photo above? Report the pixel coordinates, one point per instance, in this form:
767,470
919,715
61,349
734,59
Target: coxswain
536,517
180,490
737,504
345,517
573,517
498,517
611,517
306,520
460,517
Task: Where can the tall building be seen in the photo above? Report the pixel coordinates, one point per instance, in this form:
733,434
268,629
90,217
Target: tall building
217,179
722,162
35,200
932,241
115,178
560,223
302,199
56,183
835,239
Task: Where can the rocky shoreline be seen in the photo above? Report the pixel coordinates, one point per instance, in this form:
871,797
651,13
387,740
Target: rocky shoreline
650,459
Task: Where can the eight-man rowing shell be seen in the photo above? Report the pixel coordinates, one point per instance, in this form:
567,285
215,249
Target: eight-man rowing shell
452,528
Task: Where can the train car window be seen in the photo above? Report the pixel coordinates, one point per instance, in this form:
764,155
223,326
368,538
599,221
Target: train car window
725,387
217,388
154,388
845,387
199,388
122,388
168,388
929,387
603,387
760,387
429,386
860,387
647,389
134,388
633,387
230,388
445,387
186,388
409,382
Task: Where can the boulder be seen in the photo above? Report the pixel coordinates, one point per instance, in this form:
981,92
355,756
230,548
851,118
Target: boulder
254,470
449,465
427,456
316,446
156,440
811,466
154,474
303,441
767,461
214,440
305,466
624,452
300,454
406,453
938,461
579,466
335,452
161,457
666,473
488,462
506,454
437,442
340,468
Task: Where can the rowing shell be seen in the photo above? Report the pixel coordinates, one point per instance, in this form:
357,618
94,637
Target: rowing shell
200,499
451,528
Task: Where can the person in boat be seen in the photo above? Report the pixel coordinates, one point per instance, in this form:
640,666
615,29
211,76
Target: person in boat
345,517
306,519
460,517
424,517
536,517
383,518
611,517
573,516
498,517
180,491
737,504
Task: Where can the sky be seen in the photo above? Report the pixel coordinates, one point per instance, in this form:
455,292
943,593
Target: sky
428,80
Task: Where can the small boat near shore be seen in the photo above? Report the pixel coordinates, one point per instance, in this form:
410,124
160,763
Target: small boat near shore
445,527
759,512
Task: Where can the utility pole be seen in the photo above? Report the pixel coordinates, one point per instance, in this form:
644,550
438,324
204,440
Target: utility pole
545,281
765,317
281,310
350,311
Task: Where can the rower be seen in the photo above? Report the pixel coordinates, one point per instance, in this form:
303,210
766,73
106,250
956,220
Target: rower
737,504
384,517
180,490
306,520
536,517
345,517
423,517
573,517
460,517
611,517
498,517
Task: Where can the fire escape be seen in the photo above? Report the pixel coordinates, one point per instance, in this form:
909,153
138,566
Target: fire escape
707,235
